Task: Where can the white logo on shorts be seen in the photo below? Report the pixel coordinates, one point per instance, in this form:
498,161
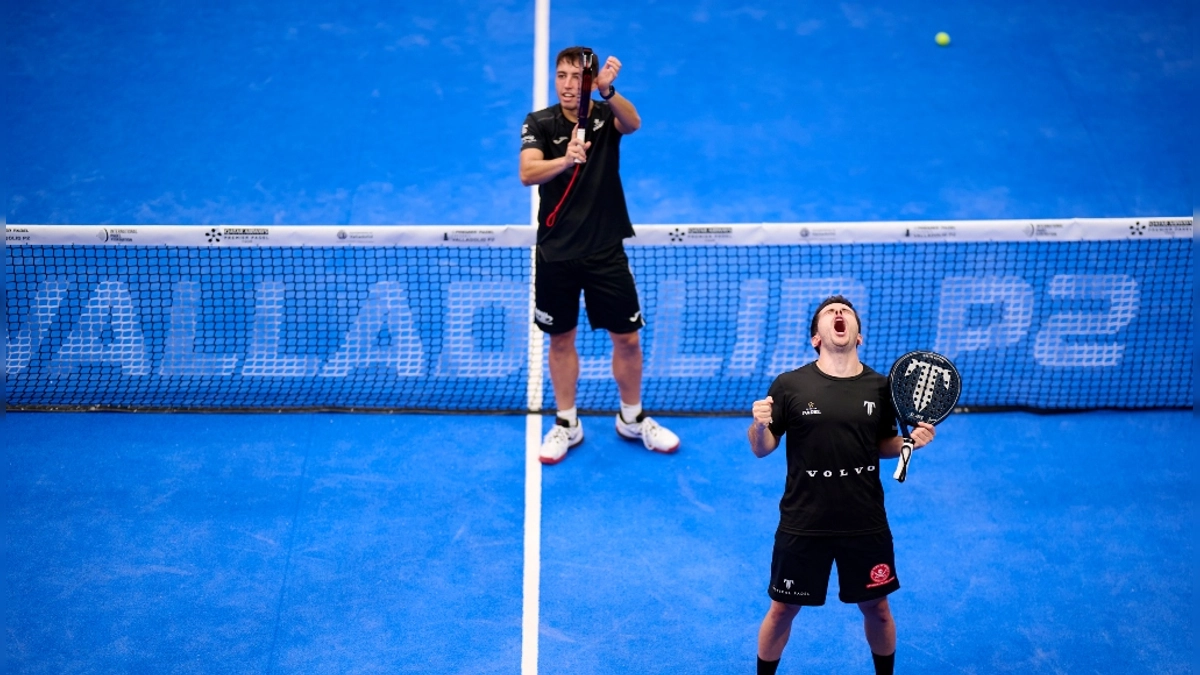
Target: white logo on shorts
543,317
635,317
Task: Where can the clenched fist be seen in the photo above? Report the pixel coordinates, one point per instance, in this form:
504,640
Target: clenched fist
762,411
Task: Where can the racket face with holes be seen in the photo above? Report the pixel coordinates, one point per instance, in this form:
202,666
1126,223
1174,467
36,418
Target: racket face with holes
925,387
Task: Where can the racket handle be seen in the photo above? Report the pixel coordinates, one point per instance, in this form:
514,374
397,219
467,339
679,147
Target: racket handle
905,454
581,134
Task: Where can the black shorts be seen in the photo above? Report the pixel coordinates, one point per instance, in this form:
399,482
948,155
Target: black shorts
608,289
800,567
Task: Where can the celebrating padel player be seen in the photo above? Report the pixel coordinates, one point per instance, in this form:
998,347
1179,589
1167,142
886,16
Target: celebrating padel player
582,224
839,420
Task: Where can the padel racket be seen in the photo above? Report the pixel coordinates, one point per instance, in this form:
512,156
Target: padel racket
588,61
925,388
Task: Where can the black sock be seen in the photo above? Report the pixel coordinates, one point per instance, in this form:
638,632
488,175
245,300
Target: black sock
767,667
884,665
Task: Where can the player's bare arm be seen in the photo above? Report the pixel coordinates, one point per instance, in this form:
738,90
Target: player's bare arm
627,118
922,435
535,169
762,441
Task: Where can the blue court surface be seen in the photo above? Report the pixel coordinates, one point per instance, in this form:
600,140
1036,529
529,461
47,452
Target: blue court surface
371,543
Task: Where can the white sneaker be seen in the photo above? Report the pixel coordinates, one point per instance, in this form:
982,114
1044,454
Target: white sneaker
653,435
559,440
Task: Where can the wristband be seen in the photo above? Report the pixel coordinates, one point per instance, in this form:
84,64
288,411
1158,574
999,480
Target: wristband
612,91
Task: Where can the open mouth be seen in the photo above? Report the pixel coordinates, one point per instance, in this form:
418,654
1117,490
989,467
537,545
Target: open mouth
839,325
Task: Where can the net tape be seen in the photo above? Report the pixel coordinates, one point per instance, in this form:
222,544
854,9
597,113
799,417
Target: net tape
1092,314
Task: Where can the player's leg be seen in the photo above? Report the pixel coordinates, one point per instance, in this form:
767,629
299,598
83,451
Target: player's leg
800,569
557,313
632,421
627,367
564,368
867,575
773,634
879,626
612,304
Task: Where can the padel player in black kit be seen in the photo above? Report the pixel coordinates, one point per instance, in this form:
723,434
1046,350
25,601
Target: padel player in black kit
582,223
839,420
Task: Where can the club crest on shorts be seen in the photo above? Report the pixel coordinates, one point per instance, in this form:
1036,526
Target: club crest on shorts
880,574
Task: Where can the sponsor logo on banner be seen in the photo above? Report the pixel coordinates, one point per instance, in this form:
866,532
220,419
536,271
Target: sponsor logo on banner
470,236
119,235
356,235
932,232
245,234
213,235
676,235
1045,230
1137,229
1176,226
818,233
16,234
709,233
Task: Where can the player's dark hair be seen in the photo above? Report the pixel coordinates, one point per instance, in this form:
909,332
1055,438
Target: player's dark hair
840,299
574,55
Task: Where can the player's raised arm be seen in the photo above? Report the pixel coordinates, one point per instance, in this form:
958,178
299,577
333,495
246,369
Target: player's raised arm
628,119
762,441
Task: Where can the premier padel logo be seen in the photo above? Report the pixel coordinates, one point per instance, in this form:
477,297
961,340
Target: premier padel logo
1137,229
787,589
812,409
927,382
880,574
677,235
213,235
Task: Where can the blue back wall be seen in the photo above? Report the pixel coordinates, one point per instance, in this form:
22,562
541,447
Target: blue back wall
376,112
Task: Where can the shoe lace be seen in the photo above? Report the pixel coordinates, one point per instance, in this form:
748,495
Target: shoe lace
559,434
650,431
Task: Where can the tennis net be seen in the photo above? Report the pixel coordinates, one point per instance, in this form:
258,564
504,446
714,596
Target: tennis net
1045,314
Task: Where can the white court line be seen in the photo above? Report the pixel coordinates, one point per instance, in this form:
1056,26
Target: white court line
533,546
532,578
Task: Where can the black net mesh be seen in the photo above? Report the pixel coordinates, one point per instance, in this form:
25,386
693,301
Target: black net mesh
1033,324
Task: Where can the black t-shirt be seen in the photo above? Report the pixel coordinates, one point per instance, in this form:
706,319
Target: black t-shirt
594,217
832,426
